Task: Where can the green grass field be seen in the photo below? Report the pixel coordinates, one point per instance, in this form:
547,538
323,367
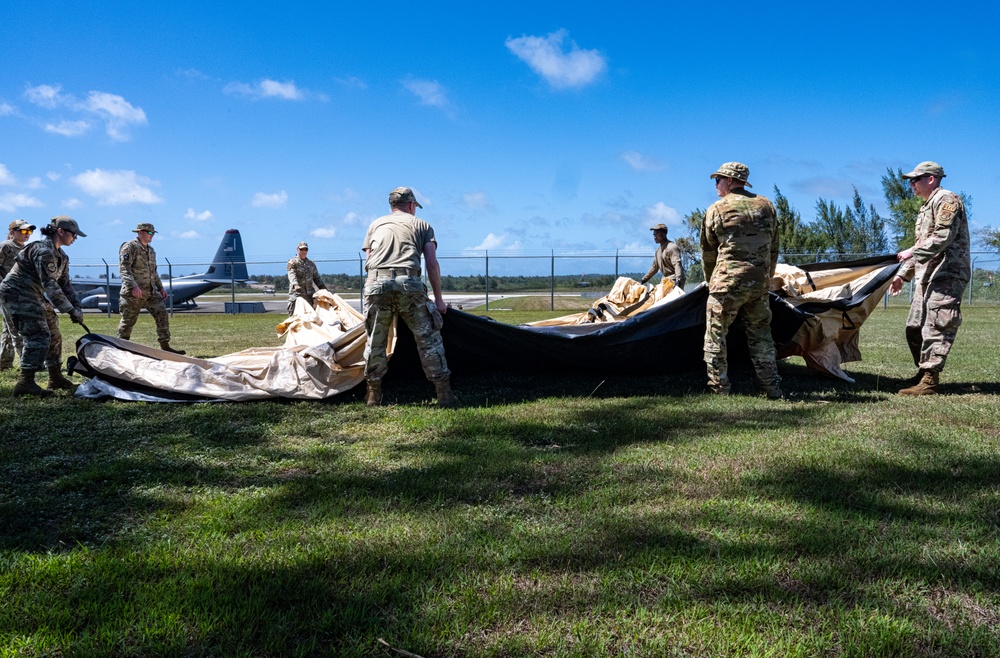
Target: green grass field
550,516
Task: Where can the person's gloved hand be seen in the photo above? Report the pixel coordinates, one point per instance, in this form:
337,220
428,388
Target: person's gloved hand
76,315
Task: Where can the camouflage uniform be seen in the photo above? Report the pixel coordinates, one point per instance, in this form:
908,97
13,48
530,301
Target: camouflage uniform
10,341
739,244
38,281
941,269
303,281
395,244
137,267
667,260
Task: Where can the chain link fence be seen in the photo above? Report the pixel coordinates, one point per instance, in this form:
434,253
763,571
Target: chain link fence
490,275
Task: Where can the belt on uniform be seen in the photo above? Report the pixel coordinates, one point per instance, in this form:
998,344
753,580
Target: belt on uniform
392,273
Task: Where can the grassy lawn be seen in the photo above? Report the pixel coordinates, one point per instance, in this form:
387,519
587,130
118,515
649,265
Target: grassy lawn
550,516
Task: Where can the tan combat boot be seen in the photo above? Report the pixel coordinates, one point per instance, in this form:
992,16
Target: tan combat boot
58,382
926,386
26,385
165,346
374,397
446,398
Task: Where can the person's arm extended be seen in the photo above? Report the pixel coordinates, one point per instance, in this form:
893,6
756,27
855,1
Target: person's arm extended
434,275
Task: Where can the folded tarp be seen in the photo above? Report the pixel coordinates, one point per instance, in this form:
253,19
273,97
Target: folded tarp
817,313
323,356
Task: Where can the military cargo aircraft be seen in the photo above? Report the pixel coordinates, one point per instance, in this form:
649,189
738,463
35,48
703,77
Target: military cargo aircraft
228,266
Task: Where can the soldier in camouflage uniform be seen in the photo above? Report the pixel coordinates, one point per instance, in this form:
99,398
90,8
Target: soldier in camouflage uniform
141,287
394,244
303,278
940,264
667,259
38,281
739,246
17,236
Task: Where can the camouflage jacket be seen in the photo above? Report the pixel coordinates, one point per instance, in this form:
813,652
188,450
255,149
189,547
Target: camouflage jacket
668,261
137,267
303,277
942,245
739,242
41,271
8,252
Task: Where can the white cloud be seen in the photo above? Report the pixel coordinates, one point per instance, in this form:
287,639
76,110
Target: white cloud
117,114
267,88
68,128
10,180
46,96
428,92
115,188
477,201
276,200
199,216
498,242
6,178
325,232
6,109
189,235
641,162
662,213
53,175
11,201
352,217
72,202
561,68
192,73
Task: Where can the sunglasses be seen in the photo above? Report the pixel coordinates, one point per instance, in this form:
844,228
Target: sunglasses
150,232
26,231
303,248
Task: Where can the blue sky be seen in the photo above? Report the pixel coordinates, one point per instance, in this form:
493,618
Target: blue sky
522,127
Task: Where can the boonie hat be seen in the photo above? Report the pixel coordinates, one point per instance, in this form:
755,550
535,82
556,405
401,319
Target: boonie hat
303,245
658,227
143,227
67,224
19,224
736,170
926,168
403,195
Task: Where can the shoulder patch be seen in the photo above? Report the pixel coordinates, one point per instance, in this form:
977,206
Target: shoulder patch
125,257
946,213
50,267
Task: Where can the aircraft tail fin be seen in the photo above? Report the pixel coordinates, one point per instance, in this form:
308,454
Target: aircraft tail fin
229,264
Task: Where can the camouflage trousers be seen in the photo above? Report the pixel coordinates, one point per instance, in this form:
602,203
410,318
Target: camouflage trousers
10,343
131,307
38,327
935,316
750,307
404,297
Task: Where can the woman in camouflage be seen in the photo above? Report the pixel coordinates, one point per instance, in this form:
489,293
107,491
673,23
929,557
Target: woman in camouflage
38,281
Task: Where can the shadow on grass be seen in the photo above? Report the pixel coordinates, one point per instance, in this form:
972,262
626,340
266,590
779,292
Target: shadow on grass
475,518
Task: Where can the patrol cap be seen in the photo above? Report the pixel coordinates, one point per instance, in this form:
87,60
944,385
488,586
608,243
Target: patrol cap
659,227
143,227
403,195
736,170
67,224
926,168
303,245
18,224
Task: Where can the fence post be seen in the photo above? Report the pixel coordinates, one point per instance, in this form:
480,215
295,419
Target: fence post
972,280
487,281
107,286
361,291
552,283
170,294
